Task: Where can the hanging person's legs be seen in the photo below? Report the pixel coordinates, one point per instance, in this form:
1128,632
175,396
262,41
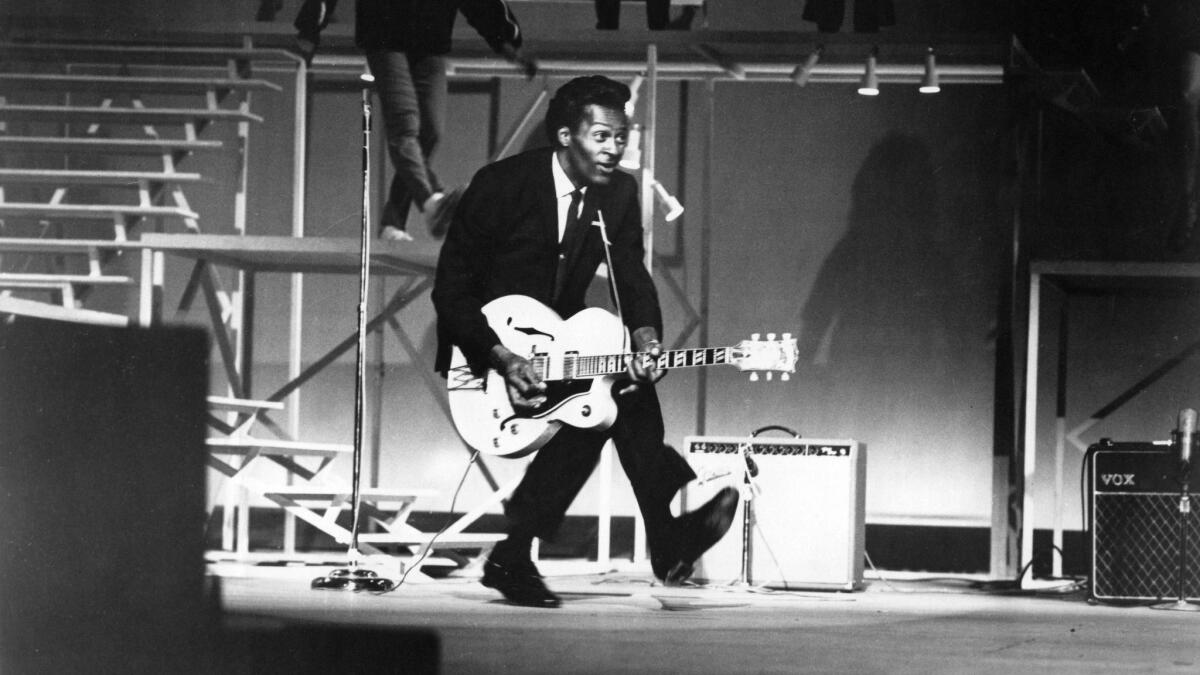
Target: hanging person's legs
401,111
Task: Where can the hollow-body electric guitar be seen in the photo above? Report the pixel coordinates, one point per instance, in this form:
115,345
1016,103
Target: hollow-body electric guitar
579,359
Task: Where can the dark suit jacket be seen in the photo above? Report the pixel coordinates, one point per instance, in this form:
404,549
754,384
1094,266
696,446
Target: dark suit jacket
503,240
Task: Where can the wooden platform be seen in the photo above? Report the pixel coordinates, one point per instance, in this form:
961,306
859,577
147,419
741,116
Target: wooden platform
107,84
290,254
126,146
121,115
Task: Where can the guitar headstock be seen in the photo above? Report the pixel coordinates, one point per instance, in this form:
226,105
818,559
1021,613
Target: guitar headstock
770,355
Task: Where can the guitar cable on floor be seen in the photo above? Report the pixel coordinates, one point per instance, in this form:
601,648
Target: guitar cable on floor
434,538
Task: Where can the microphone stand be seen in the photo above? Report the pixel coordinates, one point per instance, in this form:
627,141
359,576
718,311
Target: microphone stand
749,473
354,578
1184,438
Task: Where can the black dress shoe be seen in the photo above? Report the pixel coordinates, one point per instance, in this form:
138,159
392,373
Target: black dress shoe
443,213
519,583
697,531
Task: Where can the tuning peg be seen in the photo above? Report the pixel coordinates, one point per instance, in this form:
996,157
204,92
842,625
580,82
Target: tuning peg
787,336
770,376
754,337
784,377
754,377
770,337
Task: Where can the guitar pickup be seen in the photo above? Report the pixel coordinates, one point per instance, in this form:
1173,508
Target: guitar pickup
570,364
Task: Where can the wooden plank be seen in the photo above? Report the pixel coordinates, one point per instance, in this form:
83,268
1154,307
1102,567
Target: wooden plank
445,540
91,210
229,403
62,246
42,310
375,495
94,52
330,255
1121,277
29,280
121,115
99,177
130,146
114,83
244,445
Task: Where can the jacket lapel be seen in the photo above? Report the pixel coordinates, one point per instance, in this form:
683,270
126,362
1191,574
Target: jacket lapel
547,202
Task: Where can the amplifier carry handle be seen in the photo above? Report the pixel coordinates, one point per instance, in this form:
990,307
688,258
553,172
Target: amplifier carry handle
775,427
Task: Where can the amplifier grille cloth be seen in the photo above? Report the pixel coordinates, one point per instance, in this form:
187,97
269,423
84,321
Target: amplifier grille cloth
1137,546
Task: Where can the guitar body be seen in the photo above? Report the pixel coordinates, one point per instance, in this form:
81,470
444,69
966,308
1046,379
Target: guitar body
480,407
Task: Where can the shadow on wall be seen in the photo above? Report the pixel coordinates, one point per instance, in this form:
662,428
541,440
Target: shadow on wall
884,326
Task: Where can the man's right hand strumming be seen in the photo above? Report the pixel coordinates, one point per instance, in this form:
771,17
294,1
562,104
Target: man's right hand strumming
526,391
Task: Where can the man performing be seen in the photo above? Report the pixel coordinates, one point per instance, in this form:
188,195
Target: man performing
525,226
405,42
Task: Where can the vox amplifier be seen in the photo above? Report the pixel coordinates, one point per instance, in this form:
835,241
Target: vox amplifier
1135,518
807,503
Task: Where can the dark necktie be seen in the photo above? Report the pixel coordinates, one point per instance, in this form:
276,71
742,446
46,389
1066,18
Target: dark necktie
569,233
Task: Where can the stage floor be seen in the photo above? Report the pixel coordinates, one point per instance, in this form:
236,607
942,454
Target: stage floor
621,623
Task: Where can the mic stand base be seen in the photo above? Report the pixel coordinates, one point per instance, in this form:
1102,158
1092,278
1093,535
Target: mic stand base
743,582
1177,606
353,578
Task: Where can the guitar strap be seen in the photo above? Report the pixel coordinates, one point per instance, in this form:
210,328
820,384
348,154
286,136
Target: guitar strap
612,277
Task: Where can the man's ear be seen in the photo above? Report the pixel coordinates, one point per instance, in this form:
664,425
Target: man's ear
564,136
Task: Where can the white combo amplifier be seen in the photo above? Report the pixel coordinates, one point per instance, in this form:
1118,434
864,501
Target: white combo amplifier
807,500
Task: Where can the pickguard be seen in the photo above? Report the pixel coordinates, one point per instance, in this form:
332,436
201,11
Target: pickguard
558,394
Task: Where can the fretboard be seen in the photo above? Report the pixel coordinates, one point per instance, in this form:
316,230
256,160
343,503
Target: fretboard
597,365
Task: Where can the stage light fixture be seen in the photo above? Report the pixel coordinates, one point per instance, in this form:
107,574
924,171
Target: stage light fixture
929,83
869,86
632,159
670,206
804,71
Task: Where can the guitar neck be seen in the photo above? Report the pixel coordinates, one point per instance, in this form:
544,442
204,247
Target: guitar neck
598,365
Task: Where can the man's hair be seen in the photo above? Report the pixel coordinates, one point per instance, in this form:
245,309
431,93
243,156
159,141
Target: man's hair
570,102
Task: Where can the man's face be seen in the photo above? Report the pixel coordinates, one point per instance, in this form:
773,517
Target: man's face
595,147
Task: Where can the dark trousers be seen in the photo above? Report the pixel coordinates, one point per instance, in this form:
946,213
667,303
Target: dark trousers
559,470
869,15
412,98
608,14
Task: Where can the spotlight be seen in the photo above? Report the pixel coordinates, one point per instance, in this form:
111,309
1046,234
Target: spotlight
632,159
869,86
929,84
804,71
671,208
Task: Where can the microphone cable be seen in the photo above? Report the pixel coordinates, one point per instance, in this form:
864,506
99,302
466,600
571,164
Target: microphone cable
446,526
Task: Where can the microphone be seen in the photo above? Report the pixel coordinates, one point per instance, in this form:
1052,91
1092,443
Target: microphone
751,466
1186,433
